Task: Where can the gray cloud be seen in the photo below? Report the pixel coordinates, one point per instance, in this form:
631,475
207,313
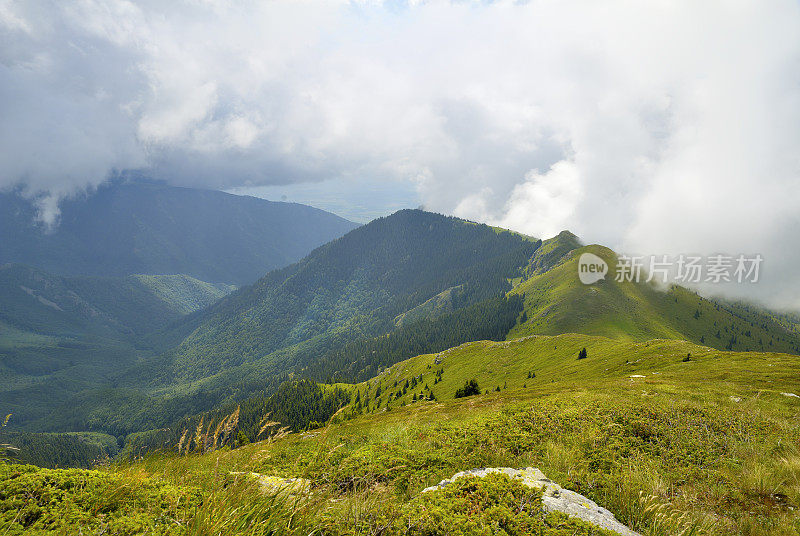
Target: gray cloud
651,127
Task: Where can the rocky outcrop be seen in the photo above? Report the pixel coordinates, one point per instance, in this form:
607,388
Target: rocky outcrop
276,484
554,497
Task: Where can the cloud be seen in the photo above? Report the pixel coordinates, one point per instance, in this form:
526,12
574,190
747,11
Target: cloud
659,127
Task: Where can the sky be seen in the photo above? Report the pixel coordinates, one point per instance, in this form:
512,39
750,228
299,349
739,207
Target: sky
358,199
660,127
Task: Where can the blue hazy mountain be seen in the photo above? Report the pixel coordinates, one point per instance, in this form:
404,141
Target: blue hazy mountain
139,227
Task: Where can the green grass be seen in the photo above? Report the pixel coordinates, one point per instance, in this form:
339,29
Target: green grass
705,446
557,302
489,505
553,360
183,293
73,501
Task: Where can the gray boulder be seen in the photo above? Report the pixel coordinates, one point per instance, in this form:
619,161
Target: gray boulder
554,497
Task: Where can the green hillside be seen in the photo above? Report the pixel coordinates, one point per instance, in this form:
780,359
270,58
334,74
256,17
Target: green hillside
339,298
557,302
79,449
388,291
537,361
356,285
39,302
454,345
184,294
325,316
439,304
552,251
671,443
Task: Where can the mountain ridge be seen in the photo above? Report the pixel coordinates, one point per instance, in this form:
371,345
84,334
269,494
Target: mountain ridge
138,227
557,302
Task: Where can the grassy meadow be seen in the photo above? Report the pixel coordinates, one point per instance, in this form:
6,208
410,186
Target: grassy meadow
672,437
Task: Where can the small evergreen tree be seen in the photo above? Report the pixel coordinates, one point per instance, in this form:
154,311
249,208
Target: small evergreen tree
470,388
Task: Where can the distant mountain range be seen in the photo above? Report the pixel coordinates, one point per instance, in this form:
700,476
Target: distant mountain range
118,307
138,227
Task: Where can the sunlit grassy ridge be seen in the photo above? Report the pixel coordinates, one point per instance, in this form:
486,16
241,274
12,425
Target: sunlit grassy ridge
557,302
547,363
709,444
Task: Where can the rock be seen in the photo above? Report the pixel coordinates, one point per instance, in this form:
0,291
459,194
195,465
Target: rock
554,497
274,484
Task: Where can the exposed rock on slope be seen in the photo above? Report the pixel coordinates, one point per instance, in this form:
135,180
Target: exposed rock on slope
276,484
554,497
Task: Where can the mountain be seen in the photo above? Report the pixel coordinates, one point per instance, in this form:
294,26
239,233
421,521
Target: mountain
40,302
547,300
355,287
322,316
137,227
355,307
454,346
557,302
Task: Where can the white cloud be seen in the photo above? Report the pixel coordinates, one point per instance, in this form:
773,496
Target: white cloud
545,203
650,126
